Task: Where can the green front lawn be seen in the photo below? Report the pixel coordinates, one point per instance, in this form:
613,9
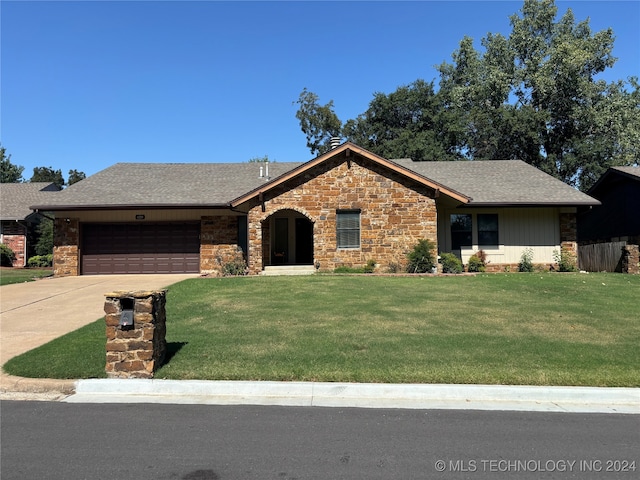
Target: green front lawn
537,329
21,275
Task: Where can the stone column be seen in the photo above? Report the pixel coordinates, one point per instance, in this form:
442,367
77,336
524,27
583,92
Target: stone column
136,350
631,259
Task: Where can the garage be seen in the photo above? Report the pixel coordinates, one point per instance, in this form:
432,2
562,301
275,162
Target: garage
140,248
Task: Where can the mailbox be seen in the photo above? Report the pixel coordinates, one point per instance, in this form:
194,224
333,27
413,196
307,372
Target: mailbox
126,317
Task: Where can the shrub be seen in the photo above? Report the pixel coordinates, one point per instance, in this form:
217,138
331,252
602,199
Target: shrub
566,261
44,245
7,256
370,266
526,261
235,268
394,267
421,258
450,263
477,262
40,261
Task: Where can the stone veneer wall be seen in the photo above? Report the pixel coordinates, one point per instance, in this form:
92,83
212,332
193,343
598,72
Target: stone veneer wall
395,212
569,235
631,259
218,243
66,240
139,351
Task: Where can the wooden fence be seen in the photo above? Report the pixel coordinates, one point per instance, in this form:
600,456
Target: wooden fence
601,257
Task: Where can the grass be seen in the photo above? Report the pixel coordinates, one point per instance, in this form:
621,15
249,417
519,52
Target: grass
536,329
21,275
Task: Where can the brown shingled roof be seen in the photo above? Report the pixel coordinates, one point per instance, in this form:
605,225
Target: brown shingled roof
210,185
16,198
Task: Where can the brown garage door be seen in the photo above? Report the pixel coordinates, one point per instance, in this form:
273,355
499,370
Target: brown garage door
140,248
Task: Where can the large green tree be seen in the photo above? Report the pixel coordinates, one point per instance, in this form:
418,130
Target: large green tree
407,123
47,174
9,173
535,96
318,122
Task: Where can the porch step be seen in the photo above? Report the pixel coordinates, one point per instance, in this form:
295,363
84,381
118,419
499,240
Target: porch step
288,270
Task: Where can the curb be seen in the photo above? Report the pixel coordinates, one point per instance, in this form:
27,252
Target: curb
35,388
409,396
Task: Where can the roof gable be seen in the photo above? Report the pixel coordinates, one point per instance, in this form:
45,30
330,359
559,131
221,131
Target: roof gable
16,198
630,173
348,149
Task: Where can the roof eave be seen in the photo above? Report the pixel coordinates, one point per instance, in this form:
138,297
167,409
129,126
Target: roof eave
138,206
532,204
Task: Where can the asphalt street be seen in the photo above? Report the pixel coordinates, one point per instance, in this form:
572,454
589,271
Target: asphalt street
50,440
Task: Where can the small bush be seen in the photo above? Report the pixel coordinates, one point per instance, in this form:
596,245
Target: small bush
421,258
235,268
370,266
477,262
450,263
526,261
7,256
565,260
40,261
394,267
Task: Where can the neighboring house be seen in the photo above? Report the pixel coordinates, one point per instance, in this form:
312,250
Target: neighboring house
618,218
17,220
343,208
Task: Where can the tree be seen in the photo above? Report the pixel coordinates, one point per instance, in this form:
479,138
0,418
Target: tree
47,174
318,122
75,176
9,173
407,123
534,96
44,230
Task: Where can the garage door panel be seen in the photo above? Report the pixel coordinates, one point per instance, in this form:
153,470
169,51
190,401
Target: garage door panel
140,248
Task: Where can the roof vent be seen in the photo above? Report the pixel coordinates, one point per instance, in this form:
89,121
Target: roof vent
335,142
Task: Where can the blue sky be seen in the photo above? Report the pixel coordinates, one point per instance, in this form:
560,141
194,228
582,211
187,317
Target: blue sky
86,84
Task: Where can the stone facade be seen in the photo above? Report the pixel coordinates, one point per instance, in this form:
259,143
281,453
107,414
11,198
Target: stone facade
569,236
136,351
395,213
219,244
66,261
631,259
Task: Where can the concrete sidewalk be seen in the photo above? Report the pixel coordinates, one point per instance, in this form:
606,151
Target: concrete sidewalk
34,313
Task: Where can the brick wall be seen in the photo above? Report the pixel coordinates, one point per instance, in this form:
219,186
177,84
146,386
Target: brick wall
66,241
14,236
395,212
569,235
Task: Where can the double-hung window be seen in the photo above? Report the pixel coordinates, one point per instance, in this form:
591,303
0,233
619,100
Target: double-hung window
348,228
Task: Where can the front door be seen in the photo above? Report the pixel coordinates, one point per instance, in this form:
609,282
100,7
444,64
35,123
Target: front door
304,241
281,242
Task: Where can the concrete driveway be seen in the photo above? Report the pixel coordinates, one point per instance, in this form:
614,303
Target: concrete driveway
33,313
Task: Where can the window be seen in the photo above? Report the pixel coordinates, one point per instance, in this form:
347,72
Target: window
487,229
348,228
461,231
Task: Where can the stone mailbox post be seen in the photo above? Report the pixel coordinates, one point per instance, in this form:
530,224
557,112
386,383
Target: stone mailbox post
136,330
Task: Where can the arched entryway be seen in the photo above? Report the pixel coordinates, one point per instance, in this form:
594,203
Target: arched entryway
287,239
